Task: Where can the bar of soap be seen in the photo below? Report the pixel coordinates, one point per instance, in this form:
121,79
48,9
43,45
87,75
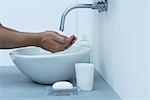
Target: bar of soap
62,85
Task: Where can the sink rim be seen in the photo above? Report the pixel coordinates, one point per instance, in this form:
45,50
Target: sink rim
77,52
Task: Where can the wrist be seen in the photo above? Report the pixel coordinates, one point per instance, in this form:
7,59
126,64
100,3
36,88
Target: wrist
33,39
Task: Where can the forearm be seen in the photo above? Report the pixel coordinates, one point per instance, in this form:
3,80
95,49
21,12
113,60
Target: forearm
48,40
12,39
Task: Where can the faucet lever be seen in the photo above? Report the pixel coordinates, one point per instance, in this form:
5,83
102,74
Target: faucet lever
101,5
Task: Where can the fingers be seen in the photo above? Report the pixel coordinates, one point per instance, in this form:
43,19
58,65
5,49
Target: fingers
53,46
65,40
68,42
72,42
59,38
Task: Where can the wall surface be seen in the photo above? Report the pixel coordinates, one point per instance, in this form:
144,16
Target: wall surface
149,45
35,16
123,40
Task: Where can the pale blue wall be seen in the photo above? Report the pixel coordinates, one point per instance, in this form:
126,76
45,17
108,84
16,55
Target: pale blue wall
122,40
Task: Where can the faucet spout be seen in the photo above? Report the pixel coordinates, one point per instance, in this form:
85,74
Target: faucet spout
100,6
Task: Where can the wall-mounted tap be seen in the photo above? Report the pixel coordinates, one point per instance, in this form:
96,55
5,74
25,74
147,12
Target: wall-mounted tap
101,5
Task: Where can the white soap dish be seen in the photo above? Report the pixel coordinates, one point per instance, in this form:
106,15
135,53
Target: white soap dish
61,92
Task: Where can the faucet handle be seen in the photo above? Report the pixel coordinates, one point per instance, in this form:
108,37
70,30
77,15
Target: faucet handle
101,5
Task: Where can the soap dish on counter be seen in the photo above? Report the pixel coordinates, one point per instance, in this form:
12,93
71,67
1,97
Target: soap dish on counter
61,92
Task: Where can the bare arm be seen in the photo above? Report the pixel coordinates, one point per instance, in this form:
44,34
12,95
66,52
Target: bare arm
48,40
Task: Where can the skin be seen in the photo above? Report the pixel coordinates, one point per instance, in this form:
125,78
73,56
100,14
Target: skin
49,40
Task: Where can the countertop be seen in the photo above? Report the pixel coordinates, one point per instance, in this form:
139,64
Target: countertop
16,86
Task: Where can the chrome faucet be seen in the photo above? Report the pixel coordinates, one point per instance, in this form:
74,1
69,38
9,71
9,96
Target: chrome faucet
101,5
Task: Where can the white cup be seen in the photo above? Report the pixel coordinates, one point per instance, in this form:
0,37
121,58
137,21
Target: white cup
84,76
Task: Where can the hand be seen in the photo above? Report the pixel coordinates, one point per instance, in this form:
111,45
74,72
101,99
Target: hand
54,42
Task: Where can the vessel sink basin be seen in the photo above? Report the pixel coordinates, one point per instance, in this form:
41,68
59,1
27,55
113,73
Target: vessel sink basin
45,67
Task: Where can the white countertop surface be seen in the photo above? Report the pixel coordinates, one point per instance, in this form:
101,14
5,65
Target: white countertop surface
15,86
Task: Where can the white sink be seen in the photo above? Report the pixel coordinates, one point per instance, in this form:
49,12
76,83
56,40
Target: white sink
45,67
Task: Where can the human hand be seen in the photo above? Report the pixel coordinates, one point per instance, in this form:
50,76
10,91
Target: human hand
54,42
